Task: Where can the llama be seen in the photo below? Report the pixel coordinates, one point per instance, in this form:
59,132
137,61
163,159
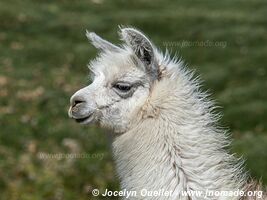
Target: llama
166,138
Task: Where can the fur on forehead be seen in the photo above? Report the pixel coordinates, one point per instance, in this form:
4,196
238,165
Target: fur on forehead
117,64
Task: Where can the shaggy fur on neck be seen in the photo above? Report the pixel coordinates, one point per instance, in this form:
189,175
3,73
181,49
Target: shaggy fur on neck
174,143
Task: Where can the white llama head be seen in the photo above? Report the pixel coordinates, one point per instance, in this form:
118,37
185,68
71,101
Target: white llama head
122,79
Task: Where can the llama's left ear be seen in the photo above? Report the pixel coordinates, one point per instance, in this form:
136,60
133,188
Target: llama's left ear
100,43
142,48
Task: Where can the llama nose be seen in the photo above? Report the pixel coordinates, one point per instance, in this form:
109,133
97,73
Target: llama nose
75,101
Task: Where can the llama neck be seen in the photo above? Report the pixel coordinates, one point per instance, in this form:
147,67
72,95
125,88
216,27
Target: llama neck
176,146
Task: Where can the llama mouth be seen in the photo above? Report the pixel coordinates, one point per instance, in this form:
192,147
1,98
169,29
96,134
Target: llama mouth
85,120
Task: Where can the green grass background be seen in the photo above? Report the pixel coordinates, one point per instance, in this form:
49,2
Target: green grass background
43,57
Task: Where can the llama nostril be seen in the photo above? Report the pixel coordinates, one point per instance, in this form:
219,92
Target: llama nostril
76,102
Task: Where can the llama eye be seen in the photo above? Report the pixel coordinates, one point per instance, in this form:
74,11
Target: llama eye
123,87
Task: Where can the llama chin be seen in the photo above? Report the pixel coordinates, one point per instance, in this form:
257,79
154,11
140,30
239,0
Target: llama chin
166,136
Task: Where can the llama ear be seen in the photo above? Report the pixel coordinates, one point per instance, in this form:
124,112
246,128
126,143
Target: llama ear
100,43
142,48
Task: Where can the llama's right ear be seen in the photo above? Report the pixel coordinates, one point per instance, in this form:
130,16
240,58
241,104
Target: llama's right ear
142,48
100,43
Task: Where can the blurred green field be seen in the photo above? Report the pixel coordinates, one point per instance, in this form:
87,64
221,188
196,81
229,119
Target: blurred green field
43,57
